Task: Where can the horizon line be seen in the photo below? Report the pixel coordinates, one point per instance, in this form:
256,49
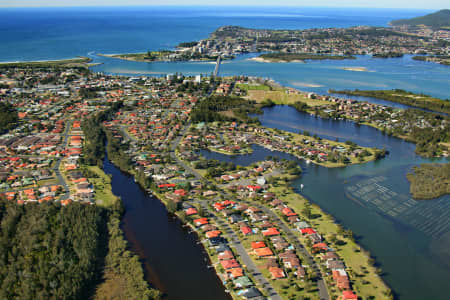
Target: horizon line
212,5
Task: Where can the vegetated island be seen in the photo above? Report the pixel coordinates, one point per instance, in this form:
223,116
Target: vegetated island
440,59
387,55
298,57
429,181
403,97
439,19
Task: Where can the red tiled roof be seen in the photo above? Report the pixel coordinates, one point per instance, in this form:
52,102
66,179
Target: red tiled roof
263,251
246,230
307,231
191,211
256,245
276,272
271,231
229,264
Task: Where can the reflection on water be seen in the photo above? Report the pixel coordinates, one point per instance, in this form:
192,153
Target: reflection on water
174,259
373,200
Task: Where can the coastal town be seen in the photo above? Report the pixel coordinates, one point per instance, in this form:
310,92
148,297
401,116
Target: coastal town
263,239
425,43
224,152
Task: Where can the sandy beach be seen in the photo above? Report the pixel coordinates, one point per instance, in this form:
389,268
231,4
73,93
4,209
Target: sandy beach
260,59
355,69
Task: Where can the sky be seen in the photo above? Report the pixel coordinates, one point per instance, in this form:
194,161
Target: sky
429,4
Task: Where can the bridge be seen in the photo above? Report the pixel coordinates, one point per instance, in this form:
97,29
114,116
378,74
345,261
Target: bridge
217,68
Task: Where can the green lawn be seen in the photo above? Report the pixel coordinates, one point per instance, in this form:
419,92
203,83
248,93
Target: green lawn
365,280
253,87
280,97
102,186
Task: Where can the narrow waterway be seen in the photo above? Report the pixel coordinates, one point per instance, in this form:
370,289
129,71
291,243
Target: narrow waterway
174,261
408,238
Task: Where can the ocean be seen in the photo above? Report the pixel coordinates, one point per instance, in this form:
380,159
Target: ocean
407,255
57,33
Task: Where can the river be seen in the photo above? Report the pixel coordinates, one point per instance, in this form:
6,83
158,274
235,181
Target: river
174,261
405,236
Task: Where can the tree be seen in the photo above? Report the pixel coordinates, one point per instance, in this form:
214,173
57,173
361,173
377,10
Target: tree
171,206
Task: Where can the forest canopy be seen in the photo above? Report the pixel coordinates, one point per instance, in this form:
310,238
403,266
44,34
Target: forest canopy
8,117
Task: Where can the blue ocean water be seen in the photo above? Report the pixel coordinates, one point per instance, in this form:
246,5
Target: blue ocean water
56,33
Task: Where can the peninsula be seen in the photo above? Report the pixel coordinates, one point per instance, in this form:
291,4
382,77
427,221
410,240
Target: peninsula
403,97
261,237
310,44
299,57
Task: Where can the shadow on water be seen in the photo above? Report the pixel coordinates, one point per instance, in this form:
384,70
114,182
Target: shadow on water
175,261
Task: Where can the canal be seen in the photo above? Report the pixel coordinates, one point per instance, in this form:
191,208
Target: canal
174,260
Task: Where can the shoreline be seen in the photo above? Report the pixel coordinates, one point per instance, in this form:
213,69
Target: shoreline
154,193
136,57
80,61
263,60
355,69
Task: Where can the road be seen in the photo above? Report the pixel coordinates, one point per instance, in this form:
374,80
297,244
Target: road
247,261
233,238
61,179
292,239
55,168
323,292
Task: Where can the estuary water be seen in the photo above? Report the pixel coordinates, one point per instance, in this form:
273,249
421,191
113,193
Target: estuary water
408,238
174,260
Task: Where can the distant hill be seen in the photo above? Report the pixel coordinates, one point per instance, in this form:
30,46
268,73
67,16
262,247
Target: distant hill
438,19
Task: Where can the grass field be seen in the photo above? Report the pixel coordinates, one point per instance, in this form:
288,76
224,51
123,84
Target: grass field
102,187
254,87
280,97
365,280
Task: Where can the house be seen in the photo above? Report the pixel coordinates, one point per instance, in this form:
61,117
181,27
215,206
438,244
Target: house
225,255
261,252
348,295
235,272
288,212
249,293
320,247
291,263
229,264
191,211
276,272
201,221
242,282
213,234
307,231
270,231
246,230
257,245
234,218
340,277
